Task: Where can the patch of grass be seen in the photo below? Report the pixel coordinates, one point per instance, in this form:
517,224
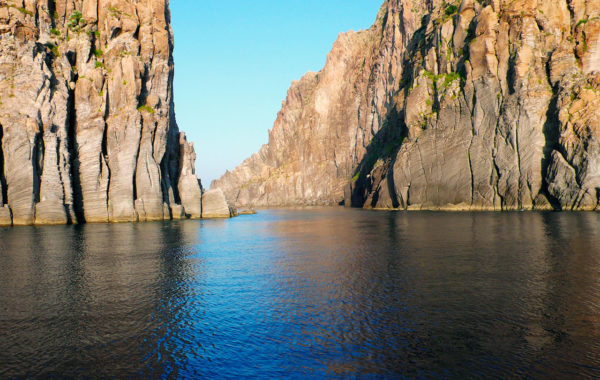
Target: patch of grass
451,10
76,21
56,16
99,64
448,78
582,22
117,12
21,9
146,108
124,83
98,53
75,17
97,34
56,32
100,93
53,48
355,178
114,11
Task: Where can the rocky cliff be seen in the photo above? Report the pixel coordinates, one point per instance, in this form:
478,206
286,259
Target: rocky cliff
87,122
471,105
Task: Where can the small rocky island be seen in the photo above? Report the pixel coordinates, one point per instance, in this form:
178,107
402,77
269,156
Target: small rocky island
461,105
87,121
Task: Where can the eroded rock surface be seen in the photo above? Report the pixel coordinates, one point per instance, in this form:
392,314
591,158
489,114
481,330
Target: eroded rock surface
87,122
214,205
467,105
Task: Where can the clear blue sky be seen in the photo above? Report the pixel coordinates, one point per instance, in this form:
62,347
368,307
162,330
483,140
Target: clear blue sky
235,59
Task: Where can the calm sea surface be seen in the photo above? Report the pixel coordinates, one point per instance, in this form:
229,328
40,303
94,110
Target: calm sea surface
312,293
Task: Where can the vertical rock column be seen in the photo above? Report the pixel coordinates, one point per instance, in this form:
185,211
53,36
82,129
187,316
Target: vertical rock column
158,118
189,191
55,194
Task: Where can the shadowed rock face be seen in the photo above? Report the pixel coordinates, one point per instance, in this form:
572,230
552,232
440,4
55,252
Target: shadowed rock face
469,105
87,122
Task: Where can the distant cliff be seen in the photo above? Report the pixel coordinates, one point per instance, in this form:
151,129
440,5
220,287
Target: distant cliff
87,122
470,105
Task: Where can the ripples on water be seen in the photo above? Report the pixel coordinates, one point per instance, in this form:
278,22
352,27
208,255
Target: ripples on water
315,293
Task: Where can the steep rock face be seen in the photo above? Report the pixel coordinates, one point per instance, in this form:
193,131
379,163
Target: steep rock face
87,122
486,105
325,124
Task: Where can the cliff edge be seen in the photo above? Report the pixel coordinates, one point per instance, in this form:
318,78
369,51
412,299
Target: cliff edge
468,105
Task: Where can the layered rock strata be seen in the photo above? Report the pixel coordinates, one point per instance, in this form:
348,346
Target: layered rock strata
470,105
87,122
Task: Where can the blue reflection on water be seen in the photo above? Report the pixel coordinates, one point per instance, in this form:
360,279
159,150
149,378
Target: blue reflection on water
311,293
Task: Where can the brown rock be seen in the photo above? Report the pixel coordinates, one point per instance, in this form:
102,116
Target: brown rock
87,115
214,205
5,216
189,190
462,105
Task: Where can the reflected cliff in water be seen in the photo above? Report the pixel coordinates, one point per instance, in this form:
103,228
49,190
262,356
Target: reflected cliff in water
93,299
325,292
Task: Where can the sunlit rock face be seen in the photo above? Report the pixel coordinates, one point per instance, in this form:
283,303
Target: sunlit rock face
214,205
87,122
468,105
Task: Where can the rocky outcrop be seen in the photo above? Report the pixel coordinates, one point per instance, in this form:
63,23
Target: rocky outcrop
214,205
189,189
467,105
87,122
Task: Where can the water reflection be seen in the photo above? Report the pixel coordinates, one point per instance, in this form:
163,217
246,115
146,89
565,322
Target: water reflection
319,293
92,299
417,294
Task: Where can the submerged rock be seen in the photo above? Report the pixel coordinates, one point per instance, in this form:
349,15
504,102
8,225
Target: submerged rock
87,121
244,211
464,105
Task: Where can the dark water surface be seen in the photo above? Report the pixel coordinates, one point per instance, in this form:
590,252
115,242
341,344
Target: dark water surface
314,293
